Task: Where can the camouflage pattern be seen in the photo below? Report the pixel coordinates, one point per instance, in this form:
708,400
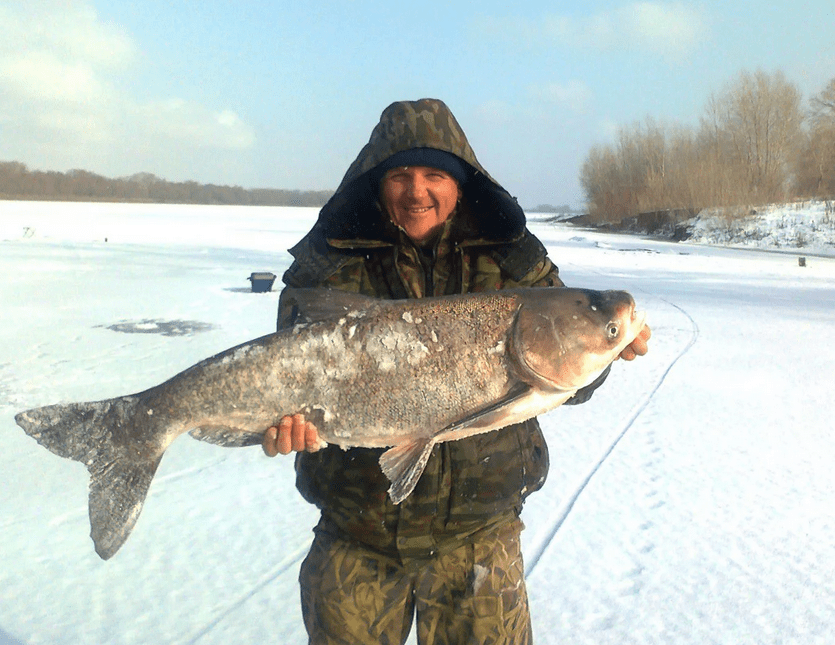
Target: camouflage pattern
474,593
427,123
466,483
470,488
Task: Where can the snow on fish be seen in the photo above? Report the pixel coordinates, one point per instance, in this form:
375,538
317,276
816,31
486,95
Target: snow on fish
400,374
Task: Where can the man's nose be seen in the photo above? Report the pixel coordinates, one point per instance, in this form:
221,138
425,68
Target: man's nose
417,187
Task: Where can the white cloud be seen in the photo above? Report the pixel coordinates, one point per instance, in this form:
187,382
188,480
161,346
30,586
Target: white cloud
61,105
495,112
192,124
573,95
68,31
608,129
43,77
665,28
669,28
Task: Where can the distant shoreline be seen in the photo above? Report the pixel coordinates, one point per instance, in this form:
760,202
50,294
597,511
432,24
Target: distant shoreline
139,200
19,183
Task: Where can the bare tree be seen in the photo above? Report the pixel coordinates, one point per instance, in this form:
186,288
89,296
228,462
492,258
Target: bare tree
823,105
759,117
816,163
722,169
602,183
751,148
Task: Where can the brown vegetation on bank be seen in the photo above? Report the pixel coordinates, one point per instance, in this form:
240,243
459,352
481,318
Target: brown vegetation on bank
19,182
754,145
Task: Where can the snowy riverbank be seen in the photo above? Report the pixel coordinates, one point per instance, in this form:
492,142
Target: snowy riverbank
689,502
802,227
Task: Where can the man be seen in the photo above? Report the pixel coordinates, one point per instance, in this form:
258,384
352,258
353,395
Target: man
417,215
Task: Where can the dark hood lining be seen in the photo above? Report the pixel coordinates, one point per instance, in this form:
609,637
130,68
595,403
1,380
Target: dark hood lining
488,213
355,214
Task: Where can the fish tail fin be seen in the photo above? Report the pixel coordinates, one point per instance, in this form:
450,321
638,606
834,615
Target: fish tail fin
117,493
119,476
403,465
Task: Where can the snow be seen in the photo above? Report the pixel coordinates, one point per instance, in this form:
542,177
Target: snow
808,226
690,501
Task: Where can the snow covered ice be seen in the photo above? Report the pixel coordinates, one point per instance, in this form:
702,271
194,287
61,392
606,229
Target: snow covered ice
690,501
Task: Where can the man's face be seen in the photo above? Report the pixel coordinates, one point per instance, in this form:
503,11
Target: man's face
419,199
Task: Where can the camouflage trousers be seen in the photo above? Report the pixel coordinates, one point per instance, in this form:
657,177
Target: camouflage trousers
474,594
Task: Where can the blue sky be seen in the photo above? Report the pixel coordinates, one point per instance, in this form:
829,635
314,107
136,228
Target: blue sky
284,94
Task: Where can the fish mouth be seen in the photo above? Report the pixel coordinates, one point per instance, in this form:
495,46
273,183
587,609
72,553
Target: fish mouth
633,321
568,351
629,313
639,319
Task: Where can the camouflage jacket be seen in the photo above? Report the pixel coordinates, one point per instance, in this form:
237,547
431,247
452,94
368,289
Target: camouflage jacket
470,484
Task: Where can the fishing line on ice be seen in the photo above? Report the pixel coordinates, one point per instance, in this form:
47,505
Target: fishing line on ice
562,514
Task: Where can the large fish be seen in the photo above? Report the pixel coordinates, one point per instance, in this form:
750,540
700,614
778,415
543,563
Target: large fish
404,374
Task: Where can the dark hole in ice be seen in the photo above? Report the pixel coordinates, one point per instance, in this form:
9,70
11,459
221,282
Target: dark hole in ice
163,327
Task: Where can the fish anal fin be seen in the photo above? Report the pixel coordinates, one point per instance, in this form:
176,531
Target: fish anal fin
226,436
404,464
117,494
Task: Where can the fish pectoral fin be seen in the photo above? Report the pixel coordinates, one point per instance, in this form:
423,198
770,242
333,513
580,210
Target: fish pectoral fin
404,464
487,417
226,436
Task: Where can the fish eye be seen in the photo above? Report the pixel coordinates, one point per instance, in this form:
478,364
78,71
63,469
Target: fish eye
613,330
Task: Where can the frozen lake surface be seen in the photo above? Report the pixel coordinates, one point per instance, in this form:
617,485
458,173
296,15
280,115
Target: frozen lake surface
689,502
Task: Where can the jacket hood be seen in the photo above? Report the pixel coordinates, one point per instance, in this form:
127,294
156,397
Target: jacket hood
352,212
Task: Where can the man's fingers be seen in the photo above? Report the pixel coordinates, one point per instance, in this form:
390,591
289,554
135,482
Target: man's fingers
637,347
297,435
293,434
284,444
269,442
311,438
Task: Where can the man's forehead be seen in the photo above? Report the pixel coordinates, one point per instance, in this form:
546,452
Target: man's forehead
416,169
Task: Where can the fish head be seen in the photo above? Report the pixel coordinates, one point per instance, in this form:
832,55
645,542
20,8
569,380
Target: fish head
563,339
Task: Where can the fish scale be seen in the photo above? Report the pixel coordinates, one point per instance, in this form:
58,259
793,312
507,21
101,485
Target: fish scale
402,374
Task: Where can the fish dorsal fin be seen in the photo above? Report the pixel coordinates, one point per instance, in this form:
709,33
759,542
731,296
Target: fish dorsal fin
404,464
316,305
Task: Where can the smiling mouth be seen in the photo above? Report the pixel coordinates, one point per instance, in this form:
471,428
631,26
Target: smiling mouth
417,210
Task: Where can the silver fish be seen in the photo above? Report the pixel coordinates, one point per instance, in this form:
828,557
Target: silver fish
404,374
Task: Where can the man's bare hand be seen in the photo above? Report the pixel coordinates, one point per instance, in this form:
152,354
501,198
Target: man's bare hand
293,434
637,347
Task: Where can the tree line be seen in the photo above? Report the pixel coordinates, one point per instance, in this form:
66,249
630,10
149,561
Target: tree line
755,144
19,182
